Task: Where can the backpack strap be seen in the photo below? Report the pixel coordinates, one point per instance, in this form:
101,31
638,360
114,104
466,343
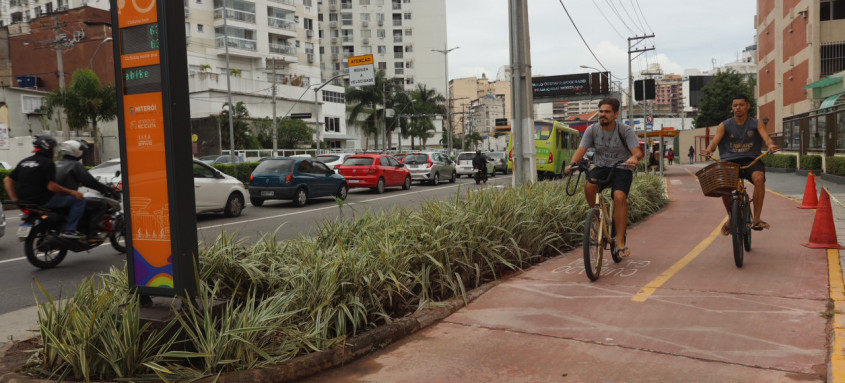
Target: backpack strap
622,140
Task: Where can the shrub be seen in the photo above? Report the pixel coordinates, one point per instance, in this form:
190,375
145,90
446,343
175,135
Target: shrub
811,162
835,166
783,161
240,171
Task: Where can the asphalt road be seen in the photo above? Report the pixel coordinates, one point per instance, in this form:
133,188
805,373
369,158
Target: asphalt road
17,276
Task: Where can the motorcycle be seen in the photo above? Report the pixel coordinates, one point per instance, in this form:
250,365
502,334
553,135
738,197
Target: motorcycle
479,175
41,227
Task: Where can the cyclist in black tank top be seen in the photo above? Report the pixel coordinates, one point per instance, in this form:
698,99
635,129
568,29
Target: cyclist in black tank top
740,139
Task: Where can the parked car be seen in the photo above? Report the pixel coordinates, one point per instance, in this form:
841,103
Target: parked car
2,221
400,157
375,171
464,166
5,165
214,191
500,159
430,167
297,179
333,160
220,159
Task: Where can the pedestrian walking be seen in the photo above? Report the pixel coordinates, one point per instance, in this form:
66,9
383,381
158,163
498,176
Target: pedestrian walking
670,156
691,155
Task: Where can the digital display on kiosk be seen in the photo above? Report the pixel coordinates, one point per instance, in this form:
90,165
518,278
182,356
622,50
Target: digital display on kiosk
140,38
143,79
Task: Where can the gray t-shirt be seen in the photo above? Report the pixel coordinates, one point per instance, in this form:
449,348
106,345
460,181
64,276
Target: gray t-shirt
740,141
609,149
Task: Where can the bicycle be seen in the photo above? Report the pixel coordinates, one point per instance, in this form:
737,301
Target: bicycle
722,178
596,224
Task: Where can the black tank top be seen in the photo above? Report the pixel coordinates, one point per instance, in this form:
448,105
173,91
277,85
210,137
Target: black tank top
740,141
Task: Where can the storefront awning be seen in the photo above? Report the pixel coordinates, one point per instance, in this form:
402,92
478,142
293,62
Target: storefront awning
831,101
824,82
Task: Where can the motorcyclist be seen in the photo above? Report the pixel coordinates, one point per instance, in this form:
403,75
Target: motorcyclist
34,178
480,162
70,173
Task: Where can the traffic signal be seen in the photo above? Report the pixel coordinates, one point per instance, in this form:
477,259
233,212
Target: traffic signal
644,86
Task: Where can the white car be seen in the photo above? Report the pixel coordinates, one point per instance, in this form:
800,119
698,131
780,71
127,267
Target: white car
333,159
464,166
214,191
2,221
5,165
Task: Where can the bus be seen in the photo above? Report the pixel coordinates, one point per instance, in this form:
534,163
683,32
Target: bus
555,144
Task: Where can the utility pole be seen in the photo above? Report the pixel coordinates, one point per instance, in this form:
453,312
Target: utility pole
445,51
524,162
229,87
631,75
275,123
60,65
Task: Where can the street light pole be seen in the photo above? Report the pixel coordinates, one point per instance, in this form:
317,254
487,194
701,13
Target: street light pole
91,61
445,51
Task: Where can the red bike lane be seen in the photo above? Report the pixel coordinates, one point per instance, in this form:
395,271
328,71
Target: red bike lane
677,310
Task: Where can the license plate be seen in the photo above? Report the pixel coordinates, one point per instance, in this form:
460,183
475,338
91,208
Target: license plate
541,162
23,230
266,193
353,181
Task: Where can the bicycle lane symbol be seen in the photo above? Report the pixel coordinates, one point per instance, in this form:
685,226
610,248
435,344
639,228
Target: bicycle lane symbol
623,269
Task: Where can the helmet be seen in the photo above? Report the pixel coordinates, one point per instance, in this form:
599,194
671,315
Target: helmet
44,142
73,148
478,152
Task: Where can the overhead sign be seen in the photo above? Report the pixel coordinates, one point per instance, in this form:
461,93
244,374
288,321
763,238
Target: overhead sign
362,70
556,86
155,146
300,116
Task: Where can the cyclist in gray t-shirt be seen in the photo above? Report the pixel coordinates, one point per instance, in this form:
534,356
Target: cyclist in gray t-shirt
607,138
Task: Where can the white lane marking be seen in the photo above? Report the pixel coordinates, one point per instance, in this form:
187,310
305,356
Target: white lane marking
12,260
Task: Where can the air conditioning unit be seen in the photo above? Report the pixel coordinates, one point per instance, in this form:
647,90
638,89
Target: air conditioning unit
334,40
333,24
380,22
365,41
335,57
309,33
365,23
332,7
310,57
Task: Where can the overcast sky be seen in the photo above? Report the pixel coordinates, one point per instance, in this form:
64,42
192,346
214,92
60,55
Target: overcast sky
688,34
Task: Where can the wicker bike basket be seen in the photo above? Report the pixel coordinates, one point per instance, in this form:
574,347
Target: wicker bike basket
718,179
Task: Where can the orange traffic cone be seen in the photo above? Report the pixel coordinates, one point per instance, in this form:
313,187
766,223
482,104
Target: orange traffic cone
810,201
823,235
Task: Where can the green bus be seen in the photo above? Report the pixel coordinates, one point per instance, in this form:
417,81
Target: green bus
555,143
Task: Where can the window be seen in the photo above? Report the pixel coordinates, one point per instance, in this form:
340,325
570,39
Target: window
407,15
346,19
831,10
383,161
308,23
382,65
365,16
366,50
832,58
366,33
31,104
380,33
409,48
306,3
409,32
364,2
332,124
382,49
335,97
193,69
817,133
199,27
840,131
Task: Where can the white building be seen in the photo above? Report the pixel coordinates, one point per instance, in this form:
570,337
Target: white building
22,11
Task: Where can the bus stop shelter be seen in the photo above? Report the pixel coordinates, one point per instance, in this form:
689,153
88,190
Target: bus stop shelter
659,134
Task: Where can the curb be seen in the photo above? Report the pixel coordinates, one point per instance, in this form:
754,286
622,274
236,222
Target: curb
310,364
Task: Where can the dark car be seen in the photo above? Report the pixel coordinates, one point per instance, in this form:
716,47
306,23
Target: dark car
296,179
375,171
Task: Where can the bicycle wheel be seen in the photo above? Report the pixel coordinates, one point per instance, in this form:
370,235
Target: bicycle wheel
593,243
748,219
737,230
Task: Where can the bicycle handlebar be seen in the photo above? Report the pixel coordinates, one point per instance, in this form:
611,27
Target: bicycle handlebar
760,157
584,167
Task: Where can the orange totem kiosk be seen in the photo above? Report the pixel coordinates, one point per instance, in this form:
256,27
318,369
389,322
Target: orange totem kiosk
155,146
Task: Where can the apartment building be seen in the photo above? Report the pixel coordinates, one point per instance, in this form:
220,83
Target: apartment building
24,11
468,90
801,62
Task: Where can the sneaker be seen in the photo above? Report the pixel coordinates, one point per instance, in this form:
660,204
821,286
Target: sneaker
72,235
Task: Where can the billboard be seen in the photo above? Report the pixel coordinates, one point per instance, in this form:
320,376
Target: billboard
696,84
561,86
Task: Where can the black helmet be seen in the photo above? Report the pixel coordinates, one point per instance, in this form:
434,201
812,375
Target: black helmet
478,152
44,142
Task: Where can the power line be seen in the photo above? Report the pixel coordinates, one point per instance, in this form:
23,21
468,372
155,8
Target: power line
601,12
582,36
616,12
633,21
650,29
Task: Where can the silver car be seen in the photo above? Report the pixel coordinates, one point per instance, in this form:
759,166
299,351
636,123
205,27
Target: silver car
430,167
2,221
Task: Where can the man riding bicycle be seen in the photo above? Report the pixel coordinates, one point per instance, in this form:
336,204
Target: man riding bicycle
740,140
613,142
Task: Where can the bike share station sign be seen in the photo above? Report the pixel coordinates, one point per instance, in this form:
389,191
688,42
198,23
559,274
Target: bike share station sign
155,146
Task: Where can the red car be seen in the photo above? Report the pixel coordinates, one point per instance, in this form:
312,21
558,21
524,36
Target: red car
375,171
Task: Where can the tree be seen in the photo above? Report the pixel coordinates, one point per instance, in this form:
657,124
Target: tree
717,97
86,101
263,129
366,100
293,133
428,103
473,139
243,138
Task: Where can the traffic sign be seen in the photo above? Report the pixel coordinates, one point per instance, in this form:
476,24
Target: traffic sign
362,70
649,119
300,116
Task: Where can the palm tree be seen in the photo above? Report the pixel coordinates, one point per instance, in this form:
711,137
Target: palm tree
243,138
366,100
85,101
427,102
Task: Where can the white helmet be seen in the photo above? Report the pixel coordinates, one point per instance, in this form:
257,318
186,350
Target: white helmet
73,148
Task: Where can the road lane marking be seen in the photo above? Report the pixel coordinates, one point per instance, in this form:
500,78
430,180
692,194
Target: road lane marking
12,260
837,294
652,286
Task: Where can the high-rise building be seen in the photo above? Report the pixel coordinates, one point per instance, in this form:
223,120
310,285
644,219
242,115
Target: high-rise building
400,34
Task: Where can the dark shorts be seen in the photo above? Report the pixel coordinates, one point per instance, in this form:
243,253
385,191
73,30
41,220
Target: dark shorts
746,173
622,178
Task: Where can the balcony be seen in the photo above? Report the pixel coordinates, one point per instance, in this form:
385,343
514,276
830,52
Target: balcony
291,3
348,40
275,22
237,43
235,15
397,39
283,49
